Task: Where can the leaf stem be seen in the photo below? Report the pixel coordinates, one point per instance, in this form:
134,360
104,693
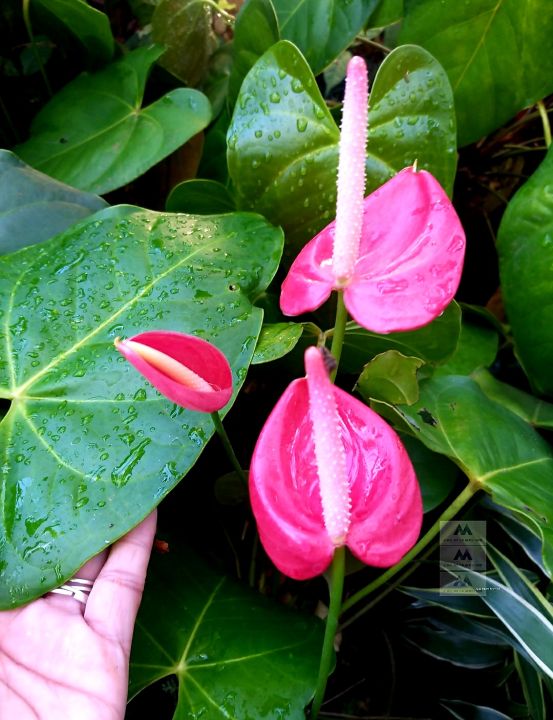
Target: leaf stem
27,21
339,331
450,512
545,122
337,573
228,446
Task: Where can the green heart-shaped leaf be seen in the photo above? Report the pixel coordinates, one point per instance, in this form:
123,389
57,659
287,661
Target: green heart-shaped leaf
283,142
235,654
89,447
525,247
490,50
276,340
102,150
499,452
34,207
322,28
391,377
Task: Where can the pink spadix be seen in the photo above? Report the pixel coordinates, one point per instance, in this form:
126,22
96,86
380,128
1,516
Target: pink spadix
397,254
186,369
328,471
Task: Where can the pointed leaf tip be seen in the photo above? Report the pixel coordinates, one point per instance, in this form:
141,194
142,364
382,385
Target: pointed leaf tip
188,370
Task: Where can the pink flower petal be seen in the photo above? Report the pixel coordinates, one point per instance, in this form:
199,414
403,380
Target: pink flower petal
386,507
197,355
409,265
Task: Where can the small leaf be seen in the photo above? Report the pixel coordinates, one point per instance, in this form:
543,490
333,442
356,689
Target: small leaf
391,377
433,343
525,247
275,341
234,653
184,28
89,446
34,207
200,197
490,50
119,141
321,29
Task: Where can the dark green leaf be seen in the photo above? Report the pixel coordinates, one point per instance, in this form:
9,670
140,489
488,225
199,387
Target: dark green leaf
255,31
234,653
536,412
433,343
184,28
499,452
200,197
391,377
102,150
89,447
477,348
283,142
386,13
88,26
435,473
321,28
468,711
33,207
275,341
525,246
490,50
532,687
462,603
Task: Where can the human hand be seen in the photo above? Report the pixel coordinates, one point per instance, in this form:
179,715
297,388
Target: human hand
62,659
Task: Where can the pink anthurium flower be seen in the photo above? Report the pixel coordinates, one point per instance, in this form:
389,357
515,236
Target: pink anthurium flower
397,254
186,369
328,471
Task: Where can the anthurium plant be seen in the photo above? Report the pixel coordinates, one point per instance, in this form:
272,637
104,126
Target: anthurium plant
285,271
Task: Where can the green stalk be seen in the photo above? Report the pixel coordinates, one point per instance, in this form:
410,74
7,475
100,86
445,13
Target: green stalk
339,331
450,512
545,122
337,573
228,447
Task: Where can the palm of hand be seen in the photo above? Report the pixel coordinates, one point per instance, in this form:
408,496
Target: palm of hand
56,662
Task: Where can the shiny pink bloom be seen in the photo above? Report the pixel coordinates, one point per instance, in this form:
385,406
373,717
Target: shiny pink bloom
328,471
397,254
191,372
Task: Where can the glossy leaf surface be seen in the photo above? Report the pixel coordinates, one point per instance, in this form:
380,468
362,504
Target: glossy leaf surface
498,450
477,348
103,150
200,197
88,26
34,207
230,649
525,246
433,343
89,446
391,377
275,341
321,29
283,142
490,50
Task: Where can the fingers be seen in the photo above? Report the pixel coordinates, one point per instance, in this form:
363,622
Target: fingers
115,598
89,571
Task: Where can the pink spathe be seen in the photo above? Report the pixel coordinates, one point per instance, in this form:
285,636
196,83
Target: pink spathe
374,499
408,265
188,370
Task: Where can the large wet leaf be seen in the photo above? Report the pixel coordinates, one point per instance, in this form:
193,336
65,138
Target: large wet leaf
497,449
322,28
234,653
34,207
100,151
76,19
283,142
490,50
525,246
88,446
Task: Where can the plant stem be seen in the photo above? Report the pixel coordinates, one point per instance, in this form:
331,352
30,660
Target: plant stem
228,446
545,122
27,21
339,331
336,588
450,512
